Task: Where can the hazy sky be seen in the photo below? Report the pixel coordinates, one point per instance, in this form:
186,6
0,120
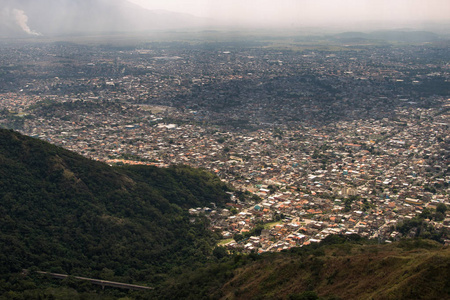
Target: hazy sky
287,12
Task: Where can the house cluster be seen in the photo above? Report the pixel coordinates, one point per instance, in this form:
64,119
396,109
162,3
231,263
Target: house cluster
315,143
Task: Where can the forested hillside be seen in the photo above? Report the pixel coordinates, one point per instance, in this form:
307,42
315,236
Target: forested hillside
63,213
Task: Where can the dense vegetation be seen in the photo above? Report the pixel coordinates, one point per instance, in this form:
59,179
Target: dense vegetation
63,213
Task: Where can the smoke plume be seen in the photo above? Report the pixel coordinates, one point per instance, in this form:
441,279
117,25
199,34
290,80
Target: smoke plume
22,20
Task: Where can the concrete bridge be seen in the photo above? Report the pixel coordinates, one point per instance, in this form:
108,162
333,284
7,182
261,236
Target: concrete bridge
103,283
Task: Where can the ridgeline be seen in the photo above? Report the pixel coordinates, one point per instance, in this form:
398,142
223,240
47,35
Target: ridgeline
63,213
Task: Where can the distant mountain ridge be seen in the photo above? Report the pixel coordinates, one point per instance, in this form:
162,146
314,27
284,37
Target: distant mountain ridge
390,35
25,18
62,17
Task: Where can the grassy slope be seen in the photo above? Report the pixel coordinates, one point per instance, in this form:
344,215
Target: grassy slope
348,271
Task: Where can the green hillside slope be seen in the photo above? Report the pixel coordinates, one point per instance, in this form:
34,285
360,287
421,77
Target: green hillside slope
349,272
60,212
338,268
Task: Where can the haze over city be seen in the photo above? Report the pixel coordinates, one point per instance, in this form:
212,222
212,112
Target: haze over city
24,18
322,12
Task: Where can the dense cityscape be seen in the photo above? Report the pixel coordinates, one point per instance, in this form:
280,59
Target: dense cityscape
352,139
